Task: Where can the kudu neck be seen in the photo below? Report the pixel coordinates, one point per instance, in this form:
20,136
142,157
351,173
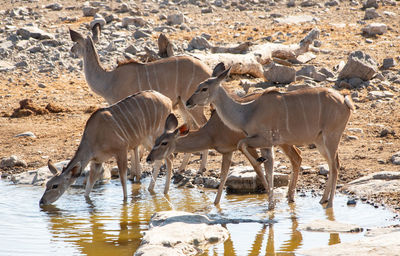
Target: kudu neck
96,75
230,111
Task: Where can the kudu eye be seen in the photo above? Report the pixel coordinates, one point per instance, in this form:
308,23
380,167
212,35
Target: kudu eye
164,143
204,89
54,186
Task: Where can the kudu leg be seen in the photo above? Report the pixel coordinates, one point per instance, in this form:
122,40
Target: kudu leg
328,148
258,169
135,165
268,154
122,163
184,163
197,115
226,163
156,170
263,143
168,162
295,159
94,174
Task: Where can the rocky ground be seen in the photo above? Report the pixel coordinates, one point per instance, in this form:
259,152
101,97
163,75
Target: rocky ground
45,101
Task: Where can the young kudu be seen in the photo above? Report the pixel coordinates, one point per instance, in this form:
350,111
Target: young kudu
111,132
175,77
216,135
304,116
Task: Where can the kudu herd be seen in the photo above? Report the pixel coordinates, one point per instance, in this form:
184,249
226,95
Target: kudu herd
143,96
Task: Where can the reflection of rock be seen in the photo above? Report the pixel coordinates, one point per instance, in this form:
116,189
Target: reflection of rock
180,233
243,179
375,183
386,244
330,226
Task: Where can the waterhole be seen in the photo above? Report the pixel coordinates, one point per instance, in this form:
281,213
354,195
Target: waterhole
108,226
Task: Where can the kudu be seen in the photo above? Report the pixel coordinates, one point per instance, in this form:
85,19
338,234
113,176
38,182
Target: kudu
216,135
175,77
111,132
317,115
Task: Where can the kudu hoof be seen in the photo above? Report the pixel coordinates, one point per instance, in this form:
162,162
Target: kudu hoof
261,159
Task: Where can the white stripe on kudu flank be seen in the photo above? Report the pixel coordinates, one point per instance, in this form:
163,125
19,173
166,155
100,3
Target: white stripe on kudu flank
319,108
108,120
141,120
130,118
114,118
127,125
123,124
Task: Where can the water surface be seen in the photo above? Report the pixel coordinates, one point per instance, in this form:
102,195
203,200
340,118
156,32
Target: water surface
108,226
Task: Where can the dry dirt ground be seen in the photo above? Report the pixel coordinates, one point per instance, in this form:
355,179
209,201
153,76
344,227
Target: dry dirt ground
58,134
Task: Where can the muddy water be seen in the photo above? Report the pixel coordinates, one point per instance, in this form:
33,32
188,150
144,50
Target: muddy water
107,226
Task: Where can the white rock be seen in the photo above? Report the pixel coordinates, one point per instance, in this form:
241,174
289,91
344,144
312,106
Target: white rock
175,19
396,158
179,233
279,74
382,245
323,169
375,29
295,19
359,65
243,179
375,183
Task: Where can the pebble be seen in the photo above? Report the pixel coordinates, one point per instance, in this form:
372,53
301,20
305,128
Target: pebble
323,169
352,201
396,158
26,134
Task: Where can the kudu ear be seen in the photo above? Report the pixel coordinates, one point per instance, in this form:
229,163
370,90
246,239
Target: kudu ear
224,74
75,36
96,31
182,130
218,69
171,123
52,168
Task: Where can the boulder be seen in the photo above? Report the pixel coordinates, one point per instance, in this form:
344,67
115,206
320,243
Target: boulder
136,21
12,161
359,65
370,4
370,14
175,19
199,43
375,183
311,71
243,179
180,233
34,32
277,73
388,63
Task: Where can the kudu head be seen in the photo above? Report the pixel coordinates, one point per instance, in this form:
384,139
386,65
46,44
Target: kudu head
165,144
57,185
207,90
82,44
